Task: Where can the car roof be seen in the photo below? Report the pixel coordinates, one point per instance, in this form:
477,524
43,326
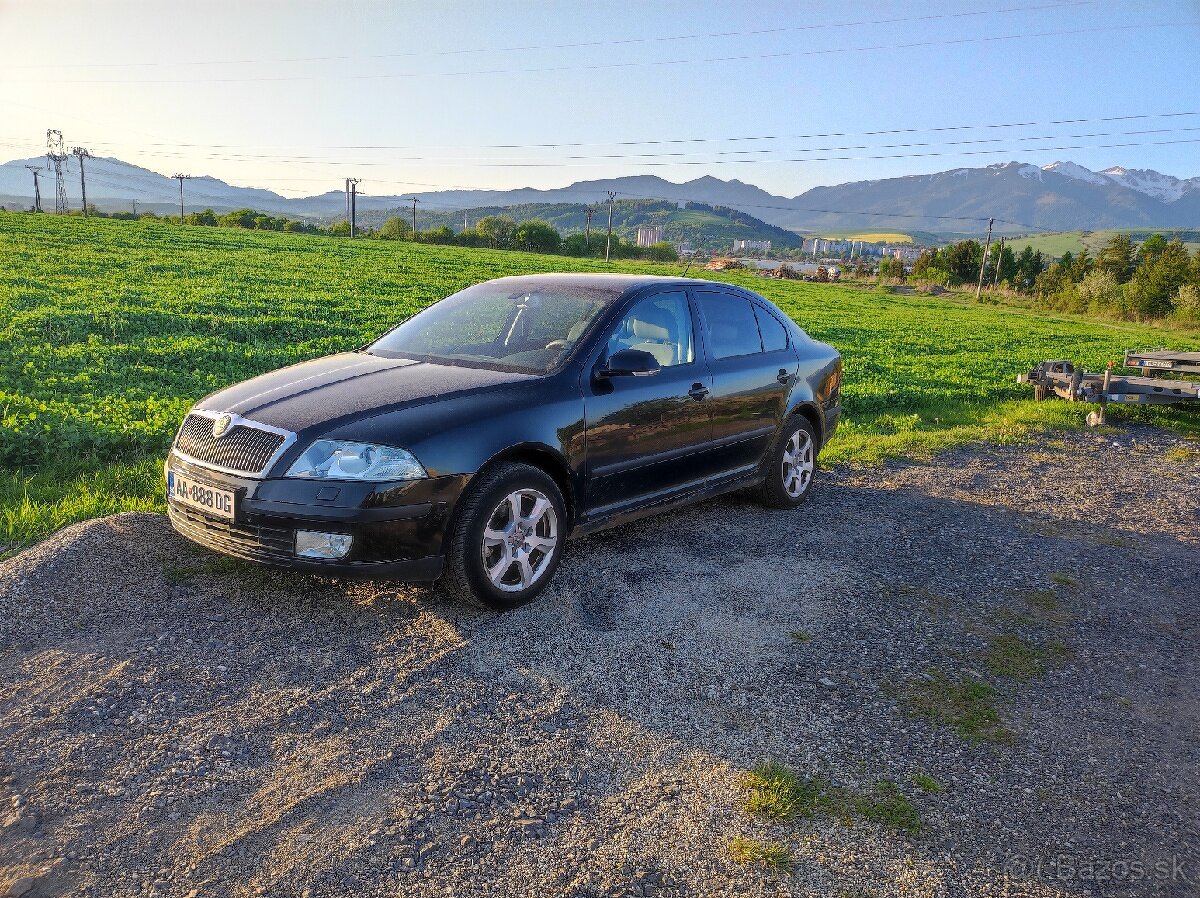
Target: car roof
619,284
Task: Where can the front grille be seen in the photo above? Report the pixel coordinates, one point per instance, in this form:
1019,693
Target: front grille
243,541
241,448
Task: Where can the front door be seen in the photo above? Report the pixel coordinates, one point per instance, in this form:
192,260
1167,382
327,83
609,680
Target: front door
644,434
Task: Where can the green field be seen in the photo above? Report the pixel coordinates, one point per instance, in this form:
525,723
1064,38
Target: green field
111,330
1057,244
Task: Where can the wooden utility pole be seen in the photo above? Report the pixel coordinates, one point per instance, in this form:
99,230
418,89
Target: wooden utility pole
587,234
414,202
352,217
82,153
983,264
999,259
608,243
37,191
181,179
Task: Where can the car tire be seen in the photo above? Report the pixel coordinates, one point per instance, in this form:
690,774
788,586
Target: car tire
791,465
507,537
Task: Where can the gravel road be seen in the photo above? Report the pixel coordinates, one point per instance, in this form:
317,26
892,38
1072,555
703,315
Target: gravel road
172,724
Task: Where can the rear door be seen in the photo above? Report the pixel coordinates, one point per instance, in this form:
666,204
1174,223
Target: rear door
644,433
753,368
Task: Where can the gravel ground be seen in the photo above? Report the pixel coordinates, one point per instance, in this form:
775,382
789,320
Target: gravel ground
171,724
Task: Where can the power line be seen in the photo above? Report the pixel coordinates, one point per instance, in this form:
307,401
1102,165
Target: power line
608,66
662,141
679,158
566,46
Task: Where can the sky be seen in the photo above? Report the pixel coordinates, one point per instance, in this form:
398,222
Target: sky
297,96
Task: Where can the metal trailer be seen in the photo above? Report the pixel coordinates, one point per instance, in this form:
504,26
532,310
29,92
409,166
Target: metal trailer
1060,377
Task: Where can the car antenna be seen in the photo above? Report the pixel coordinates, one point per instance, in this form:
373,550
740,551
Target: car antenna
687,266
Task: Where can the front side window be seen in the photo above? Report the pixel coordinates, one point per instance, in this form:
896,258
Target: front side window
499,325
732,327
660,325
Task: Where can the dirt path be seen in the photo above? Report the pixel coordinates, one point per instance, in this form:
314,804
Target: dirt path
172,724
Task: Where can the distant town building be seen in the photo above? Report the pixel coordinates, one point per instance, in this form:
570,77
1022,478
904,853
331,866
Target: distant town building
684,248
752,246
649,235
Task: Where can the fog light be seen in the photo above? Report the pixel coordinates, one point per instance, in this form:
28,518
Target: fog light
314,544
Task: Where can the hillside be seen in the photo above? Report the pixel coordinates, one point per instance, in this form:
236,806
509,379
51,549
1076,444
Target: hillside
705,227
1061,196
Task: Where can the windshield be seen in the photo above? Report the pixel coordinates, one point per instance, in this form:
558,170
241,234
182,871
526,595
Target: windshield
499,325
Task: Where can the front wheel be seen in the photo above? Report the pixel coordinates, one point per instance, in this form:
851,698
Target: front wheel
507,538
791,465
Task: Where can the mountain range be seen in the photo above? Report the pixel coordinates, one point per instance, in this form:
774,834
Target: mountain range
1062,196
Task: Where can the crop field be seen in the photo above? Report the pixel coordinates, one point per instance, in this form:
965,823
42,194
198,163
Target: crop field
880,237
1057,244
111,330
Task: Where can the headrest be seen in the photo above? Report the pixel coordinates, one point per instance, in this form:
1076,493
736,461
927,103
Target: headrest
648,331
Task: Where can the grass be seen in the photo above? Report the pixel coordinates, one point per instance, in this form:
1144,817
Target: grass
780,794
800,636
114,329
1045,605
966,705
927,783
771,855
1182,454
1062,578
1011,656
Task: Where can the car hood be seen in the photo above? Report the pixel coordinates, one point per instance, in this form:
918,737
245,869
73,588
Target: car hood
341,388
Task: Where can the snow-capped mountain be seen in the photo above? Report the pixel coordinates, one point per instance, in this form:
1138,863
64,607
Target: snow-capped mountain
1143,180
1152,183
1060,196
1076,172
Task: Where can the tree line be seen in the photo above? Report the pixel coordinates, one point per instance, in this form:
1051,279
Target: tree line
532,235
492,231
1157,278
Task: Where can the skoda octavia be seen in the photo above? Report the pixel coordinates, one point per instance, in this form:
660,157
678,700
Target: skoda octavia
471,441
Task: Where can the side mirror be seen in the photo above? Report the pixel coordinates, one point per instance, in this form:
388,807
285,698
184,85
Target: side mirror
630,362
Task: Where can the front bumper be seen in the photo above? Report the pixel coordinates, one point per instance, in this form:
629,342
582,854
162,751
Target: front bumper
398,529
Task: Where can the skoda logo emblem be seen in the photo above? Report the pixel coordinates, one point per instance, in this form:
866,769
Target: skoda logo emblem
221,425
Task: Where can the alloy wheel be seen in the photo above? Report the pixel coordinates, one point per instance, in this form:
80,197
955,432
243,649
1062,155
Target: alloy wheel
799,462
519,540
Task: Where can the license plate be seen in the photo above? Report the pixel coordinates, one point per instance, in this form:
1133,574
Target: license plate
200,496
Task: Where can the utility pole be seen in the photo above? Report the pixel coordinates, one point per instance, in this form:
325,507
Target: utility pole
587,234
983,264
56,152
352,205
82,153
414,201
181,178
999,259
608,243
37,191
134,208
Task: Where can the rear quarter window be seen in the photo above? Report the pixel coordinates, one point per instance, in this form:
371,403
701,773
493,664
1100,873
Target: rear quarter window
774,334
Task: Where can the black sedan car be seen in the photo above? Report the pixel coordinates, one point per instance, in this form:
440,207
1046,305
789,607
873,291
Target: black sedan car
471,441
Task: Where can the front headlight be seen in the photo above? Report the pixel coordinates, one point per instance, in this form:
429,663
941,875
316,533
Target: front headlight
341,460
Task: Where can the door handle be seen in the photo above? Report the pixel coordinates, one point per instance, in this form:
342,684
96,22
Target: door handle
784,376
698,391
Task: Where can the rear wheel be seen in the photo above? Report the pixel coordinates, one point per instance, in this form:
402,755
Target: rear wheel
791,465
507,538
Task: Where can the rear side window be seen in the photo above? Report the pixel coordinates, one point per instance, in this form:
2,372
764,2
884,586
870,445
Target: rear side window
732,327
774,335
